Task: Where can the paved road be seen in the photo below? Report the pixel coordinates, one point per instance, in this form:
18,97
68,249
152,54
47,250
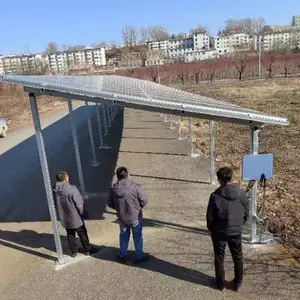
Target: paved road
182,263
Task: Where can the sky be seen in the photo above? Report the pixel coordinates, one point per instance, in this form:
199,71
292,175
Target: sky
29,25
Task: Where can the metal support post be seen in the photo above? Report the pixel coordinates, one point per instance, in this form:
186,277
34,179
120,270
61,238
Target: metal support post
102,146
259,55
95,162
109,118
76,148
46,177
193,154
179,129
212,152
105,119
253,193
111,113
166,118
172,122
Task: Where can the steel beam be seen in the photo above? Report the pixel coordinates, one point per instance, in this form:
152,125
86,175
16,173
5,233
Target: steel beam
46,177
76,148
180,137
105,119
254,131
101,142
95,162
212,152
193,153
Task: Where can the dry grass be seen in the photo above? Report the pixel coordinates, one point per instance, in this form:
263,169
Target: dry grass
279,97
15,107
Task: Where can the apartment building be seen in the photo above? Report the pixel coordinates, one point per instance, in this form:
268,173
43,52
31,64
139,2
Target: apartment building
200,55
296,21
230,43
61,62
21,63
1,65
271,41
178,48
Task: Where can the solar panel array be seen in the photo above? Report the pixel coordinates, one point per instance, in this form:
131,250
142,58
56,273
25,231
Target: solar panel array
143,93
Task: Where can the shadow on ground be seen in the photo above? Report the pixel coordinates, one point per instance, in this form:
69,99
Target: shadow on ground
22,193
29,241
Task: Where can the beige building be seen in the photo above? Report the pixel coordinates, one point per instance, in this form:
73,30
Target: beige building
271,41
230,43
177,49
1,65
61,62
22,64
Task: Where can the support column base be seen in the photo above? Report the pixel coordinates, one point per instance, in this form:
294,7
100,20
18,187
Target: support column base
264,240
103,147
61,261
194,154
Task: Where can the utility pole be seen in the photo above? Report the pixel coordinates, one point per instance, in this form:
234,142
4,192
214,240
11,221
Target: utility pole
158,75
259,55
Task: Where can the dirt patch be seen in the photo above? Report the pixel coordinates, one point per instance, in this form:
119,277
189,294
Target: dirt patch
280,97
15,107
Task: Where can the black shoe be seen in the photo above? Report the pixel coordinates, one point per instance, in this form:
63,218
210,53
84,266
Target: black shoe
92,251
219,285
121,259
235,285
144,258
74,254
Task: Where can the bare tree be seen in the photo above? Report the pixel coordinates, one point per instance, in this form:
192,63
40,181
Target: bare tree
246,25
154,73
199,29
158,33
129,35
51,48
211,70
145,34
130,60
196,69
240,61
181,72
269,60
102,44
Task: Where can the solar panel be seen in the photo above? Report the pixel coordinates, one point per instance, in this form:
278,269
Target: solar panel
143,94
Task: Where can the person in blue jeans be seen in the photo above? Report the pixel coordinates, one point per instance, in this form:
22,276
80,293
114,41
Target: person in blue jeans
128,199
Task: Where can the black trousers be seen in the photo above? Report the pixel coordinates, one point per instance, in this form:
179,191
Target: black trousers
82,234
235,246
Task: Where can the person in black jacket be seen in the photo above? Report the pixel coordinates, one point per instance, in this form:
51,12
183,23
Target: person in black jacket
227,212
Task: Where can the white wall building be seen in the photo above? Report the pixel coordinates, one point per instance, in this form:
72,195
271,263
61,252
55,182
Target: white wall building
228,43
179,48
200,55
21,63
271,41
60,62
201,41
1,65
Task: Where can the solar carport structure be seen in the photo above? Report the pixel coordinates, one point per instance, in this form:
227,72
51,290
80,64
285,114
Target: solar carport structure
115,92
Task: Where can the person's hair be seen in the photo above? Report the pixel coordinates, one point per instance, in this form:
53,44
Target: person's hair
61,176
224,174
122,173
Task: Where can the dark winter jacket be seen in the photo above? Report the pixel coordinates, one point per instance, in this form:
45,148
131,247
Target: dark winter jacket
128,199
228,211
69,205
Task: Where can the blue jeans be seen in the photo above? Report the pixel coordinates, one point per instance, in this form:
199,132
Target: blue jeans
137,238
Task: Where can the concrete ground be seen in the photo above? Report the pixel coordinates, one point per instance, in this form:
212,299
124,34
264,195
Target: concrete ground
175,234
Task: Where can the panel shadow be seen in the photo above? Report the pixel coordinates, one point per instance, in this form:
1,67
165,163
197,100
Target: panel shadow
22,193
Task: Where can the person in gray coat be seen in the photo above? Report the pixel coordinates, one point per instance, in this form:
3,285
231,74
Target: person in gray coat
128,199
70,208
